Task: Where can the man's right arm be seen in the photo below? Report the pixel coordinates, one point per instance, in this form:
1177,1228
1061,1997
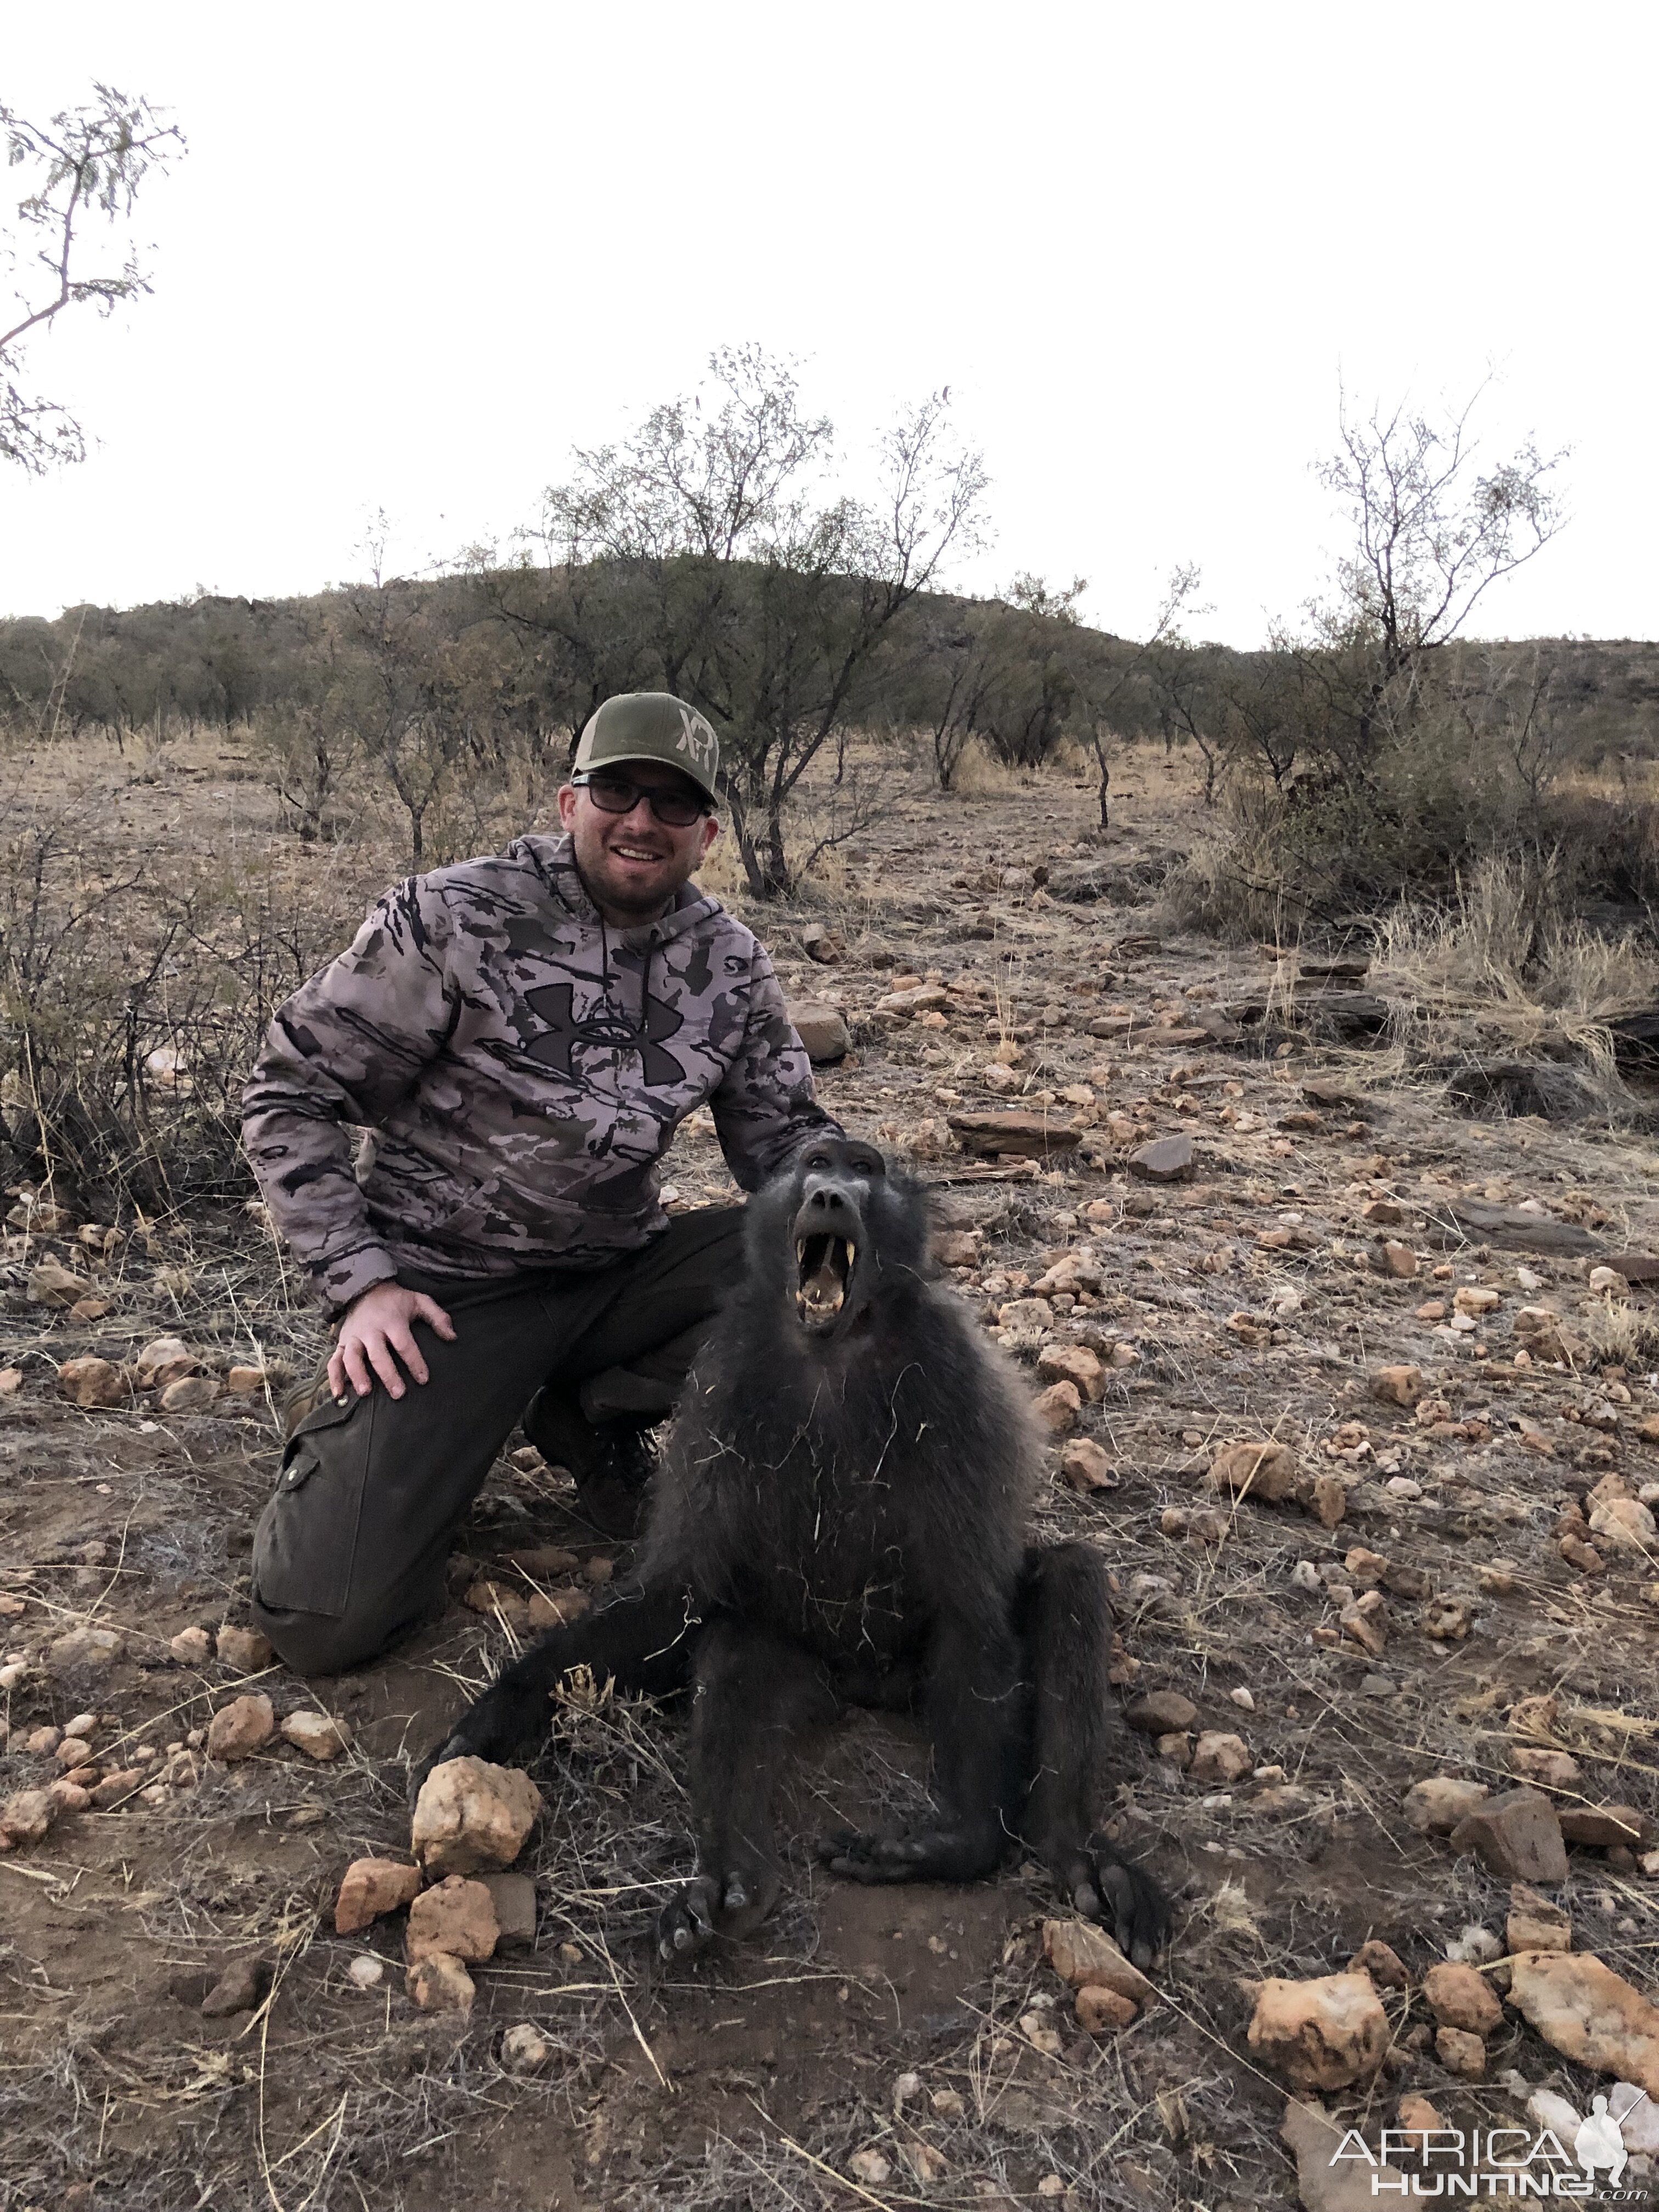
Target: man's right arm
342,1050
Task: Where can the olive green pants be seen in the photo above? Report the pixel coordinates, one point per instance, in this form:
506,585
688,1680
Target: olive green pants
353,1546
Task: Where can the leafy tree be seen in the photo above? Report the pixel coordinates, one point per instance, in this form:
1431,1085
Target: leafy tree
86,162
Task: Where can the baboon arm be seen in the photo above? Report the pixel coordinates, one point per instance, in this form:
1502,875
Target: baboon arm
973,1705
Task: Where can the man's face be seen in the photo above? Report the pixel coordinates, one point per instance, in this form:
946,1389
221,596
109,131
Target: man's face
633,863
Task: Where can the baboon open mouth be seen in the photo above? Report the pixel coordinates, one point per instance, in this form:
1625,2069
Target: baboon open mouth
826,1268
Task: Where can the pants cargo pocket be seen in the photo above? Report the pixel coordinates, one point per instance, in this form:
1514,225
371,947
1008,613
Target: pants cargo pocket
305,1547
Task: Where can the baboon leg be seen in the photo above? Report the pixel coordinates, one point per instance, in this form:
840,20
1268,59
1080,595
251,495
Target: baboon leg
972,1703
755,1695
641,1635
1066,1616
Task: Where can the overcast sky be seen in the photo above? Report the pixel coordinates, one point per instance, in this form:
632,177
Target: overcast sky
415,252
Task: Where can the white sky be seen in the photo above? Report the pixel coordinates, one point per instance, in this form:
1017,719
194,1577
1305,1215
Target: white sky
415,252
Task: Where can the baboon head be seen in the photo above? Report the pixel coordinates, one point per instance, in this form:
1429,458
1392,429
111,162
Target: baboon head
837,1235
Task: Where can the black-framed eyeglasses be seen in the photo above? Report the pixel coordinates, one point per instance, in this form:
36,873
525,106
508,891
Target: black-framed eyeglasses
676,809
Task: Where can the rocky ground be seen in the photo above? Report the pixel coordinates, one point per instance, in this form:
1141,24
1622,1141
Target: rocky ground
1343,1381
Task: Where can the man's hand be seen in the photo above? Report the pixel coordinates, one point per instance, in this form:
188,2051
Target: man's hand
377,1332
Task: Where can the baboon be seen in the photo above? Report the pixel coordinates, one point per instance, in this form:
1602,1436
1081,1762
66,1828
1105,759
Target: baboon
842,1519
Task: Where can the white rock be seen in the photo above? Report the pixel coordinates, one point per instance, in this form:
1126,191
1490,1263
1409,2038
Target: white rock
1475,1947
1637,2115
366,1970
1547,2110
524,2049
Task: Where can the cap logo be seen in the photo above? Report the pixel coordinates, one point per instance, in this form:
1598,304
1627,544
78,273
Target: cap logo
696,738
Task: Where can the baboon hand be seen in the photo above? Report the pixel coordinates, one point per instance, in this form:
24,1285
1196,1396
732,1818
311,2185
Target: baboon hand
1127,1902
709,1904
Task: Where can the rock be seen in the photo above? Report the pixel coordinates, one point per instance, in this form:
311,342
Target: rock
955,1248
1418,2118
1382,1213
1325,2180
1365,1568
85,1647
1057,1408
1085,1956
1447,1620
472,1815
370,1888
245,1648
1589,2014
1265,1470
1074,1363
869,2167
524,2049
1219,1758
822,944
439,1983
1461,2053
68,1794
456,1916
545,1562
1535,1924
1637,2115
1627,1524
52,1284
1474,1946
11,1381
1328,1500
1399,1260
1321,2035
513,1896
1545,1770
241,1727
115,1789
41,1742
1517,1836
240,1988
914,998
89,1383
366,1971
1166,1159
164,1359
1602,1827
25,1816
1399,1386
319,1735
194,1646
1546,2108
1459,1996
1028,1136
1382,1962
1177,1747
190,1394
1103,2011
822,1030
1435,1807
557,1608
1366,1623
1086,1466
1159,1712
1475,1298
246,1381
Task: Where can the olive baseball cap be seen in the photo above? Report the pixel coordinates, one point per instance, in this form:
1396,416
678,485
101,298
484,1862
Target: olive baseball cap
651,725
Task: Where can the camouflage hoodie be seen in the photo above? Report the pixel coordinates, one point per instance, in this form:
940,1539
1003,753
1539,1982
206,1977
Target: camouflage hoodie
525,1068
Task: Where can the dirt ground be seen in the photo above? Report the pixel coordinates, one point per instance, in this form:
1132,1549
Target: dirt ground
1252,1300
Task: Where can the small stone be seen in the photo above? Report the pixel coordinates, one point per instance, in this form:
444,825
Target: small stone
869,2167
1546,1769
1157,1712
1637,2115
1535,1924
1382,1962
1475,1298
1399,1260
52,1284
245,1648
1589,2014
470,1814
439,1983
194,1646
370,1888
1177,1747
822,1030
1265,1470
1447,1620
11,1380
25,1815
1103,2011
164,1359
1459,1996
1057,1408
1086,1466
558,1608
1329,1500
86,1648
240,1988
1399,1386
115,1789
1166,1159
319,1735
1085,1956
1364,1568
191,1393
1074,1363
366,1971
1626,1525
1475,1946
1604,1827
513,1896
524,2049
1322,2033
73,1751
1437,1806
241,1727
1219,1758
1327,2180
246,1381
1517,1836
89,1383
1366,1624
41,1742
68,1794
1382,1214
1461,2053
457,1916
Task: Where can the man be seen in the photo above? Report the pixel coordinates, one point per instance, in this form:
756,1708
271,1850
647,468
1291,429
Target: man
523,1033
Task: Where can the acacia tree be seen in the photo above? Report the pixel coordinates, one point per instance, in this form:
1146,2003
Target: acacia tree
763,592
86,162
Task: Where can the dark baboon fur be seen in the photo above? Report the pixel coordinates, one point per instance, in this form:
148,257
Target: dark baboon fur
841,1518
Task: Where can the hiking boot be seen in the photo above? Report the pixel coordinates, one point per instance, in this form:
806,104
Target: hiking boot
610,1462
